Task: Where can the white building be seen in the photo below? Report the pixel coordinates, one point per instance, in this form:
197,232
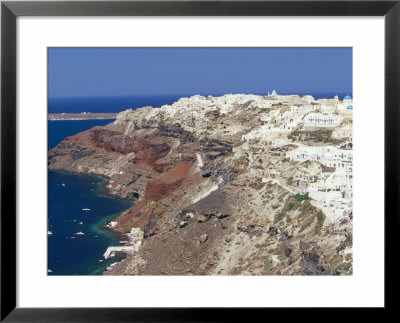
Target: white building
324,120
347,100
328,156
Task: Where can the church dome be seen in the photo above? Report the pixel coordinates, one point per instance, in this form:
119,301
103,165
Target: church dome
349,107
347,97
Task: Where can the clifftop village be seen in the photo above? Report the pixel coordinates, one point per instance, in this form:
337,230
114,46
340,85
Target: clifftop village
325,125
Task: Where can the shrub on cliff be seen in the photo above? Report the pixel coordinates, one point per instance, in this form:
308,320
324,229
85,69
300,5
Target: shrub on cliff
320,222
299,197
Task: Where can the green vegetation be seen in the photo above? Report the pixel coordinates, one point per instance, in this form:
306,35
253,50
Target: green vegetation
294,202
316,136
175,161
291,204
320,222
126,230
299,197
267,265
257,185
289,180
308,212
307,208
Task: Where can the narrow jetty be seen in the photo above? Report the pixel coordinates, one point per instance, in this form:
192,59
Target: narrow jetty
119,249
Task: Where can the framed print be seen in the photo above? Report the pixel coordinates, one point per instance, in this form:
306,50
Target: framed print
226,151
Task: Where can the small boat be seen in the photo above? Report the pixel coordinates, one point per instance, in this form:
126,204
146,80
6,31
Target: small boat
85,209
49,271
63,184
80,233
96,237
101,260
49,233
81,222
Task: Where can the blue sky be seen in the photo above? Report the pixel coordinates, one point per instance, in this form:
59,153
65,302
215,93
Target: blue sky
75,72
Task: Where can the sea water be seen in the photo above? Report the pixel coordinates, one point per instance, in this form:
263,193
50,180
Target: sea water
57,130
120,103
104,104
68,195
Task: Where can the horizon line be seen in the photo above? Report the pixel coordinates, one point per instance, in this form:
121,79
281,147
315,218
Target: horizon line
193,94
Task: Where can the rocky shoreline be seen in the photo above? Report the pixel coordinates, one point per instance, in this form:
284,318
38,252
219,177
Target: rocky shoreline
212,188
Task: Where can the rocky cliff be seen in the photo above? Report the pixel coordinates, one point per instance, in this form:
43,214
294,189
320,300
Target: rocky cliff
200,198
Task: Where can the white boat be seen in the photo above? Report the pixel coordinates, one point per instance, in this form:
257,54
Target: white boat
85,209
81,222
49,233
80,233
49,271
62,184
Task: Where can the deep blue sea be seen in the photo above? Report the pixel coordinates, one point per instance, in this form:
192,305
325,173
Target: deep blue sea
120,103
68,194
108,103
59,129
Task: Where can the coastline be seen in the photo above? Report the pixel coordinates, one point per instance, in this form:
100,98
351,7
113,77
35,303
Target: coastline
80,116
99,227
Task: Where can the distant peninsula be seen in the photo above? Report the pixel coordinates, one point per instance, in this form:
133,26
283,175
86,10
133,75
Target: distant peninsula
80,116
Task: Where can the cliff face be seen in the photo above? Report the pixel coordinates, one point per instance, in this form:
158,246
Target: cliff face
199,192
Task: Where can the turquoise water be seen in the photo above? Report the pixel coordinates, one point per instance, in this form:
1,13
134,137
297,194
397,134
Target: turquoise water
68,194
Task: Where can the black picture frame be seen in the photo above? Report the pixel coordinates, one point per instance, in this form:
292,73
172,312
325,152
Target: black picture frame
10,10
